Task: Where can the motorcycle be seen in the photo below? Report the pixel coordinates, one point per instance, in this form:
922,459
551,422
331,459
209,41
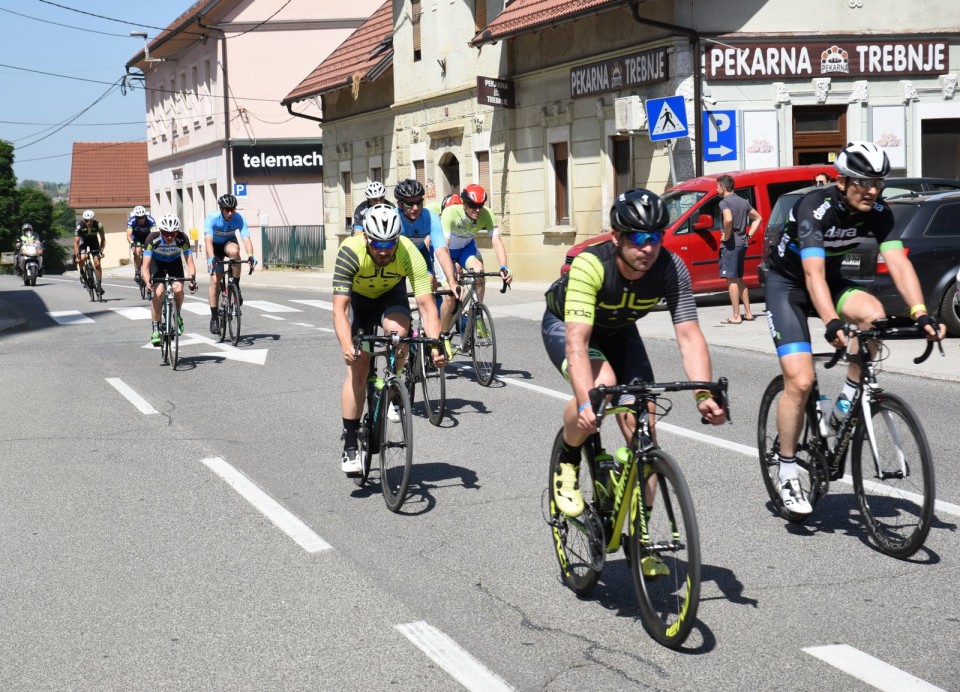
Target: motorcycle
31,263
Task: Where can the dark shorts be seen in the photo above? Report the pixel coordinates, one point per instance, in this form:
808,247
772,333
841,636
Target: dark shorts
220,251
140,238
624,351
789,306
160,270
89,244
368,312
731,262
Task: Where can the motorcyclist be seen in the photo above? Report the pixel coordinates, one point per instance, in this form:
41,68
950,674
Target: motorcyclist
27,237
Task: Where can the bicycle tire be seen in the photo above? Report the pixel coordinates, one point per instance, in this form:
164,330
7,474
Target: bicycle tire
668,602
809,453
173,326
91,283
483,346
433,382
396,444
411,372
897,511
222,314
578,543
233,313
143,289
363,448
164,342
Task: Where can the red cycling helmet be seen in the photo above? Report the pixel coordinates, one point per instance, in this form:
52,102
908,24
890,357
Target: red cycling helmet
473,195
450,200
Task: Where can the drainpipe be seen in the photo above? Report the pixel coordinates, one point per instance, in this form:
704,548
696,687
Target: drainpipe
302,115
226,102
697,78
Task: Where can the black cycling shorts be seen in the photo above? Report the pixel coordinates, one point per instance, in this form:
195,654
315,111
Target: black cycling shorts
89,244
160,270
624,351
368,313
220,251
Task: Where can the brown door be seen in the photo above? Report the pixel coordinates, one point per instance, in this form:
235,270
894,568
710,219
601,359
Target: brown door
818,133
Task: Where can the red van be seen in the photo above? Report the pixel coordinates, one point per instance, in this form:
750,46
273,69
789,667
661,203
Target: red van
695,221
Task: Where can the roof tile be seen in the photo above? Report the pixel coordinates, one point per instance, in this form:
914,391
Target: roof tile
109,174
521,16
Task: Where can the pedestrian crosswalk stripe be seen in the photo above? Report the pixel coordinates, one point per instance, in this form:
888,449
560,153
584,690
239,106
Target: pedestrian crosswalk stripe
267,306
69,317
133,313
324,304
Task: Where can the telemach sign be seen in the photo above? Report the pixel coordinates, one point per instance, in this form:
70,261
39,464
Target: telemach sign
251,160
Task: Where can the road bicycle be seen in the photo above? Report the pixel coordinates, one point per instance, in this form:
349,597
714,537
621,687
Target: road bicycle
419,369
890,458
228,303
170,322
88,273
138,279
661,542
391,440
473,331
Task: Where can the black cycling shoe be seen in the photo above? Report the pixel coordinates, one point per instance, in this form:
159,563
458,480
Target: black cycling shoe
214,325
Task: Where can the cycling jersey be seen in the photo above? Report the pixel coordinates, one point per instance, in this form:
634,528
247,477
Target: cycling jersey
160,250
139,230
361,211
224,231
822,224
427,225
594,291
459,229
355,272
91,233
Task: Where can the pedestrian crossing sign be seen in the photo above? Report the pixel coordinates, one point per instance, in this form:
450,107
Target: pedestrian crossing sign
667,118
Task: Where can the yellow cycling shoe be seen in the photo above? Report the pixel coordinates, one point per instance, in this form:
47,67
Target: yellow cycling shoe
448,349
566,490
653,566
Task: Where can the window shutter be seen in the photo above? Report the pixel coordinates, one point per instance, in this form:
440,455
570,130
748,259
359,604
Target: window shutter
483,169
480,15
415,11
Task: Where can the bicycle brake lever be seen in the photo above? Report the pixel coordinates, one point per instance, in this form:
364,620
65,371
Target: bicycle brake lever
926,352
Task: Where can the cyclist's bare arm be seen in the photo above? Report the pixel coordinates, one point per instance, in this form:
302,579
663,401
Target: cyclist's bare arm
342,328
581,372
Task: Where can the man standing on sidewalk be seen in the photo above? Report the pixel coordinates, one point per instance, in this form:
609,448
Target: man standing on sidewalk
735,237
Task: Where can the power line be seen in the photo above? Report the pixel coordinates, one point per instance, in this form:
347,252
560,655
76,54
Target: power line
110,19
59,126
106,145
68,26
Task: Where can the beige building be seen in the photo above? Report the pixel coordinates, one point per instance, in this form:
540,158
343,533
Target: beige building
214,80
545,102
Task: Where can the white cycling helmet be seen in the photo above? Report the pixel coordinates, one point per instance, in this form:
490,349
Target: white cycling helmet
381,222
88,215
862,160
139,210
168,223
375,190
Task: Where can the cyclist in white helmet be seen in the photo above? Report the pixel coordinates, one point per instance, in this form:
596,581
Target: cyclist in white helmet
163,255
139,226
375,194
823,226
89,237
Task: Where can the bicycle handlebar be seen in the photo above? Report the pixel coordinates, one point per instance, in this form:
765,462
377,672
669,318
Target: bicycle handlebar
226,261
879,332
391,340
470,274
718,389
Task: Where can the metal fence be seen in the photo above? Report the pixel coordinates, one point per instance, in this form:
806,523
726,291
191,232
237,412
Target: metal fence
293,245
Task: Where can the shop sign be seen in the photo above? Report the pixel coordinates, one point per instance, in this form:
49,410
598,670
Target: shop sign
495,92
846,58
647,67
259,159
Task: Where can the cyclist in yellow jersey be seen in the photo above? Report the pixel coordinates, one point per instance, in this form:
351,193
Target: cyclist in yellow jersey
369,279
589,328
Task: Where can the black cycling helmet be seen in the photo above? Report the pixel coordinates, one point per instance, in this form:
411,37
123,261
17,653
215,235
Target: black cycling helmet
639,210
227,202
409,189
862,160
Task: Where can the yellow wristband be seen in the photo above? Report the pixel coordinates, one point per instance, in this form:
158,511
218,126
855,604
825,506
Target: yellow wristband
915,309
703,396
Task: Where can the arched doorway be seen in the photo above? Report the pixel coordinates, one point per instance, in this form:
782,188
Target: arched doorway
450,168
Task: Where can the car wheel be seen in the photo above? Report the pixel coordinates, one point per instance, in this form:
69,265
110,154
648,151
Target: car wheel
950,310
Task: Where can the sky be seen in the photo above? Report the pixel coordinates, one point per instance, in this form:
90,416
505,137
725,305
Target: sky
71,46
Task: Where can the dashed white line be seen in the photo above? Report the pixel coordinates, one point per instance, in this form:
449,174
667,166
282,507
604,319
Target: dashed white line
127,392
445,652
69,317
870,670
274,317
278,515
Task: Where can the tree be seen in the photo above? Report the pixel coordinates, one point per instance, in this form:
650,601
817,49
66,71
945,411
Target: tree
64,220
35,208
8,198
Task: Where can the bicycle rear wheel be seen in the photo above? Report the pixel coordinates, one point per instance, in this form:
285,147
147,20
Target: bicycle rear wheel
810,450
363,446
91,283
578,542
233,313
174,332
222,312
894,481
396,444
484,345
665,553
433,382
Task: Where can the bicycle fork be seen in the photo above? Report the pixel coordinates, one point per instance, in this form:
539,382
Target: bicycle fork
902,470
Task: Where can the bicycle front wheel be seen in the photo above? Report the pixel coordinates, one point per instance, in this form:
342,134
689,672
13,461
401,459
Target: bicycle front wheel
665,552
91,284
433,382
396,444
233,313
143,289
173,329
893,476
810,450
222,312
578,542
484,345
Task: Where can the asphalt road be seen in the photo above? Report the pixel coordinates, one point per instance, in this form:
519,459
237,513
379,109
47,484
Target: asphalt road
211,542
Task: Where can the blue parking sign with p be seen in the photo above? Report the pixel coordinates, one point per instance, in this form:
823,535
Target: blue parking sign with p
720,135
239,189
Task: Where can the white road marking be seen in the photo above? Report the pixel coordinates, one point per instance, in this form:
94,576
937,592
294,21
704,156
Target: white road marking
326,329
257,356
267,306
303,324
323,304
196,308
274,317
127,392
445,652
133,313
278,515
870,670
70,317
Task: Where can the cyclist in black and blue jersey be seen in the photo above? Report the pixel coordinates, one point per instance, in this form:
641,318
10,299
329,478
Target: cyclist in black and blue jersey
804,276
590,333
220,230
375,194
139,226
163,254
419,224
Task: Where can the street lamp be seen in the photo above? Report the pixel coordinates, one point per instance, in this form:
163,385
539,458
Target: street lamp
146,47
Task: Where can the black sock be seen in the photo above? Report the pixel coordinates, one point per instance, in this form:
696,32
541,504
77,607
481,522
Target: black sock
156,326
213,312
570,454
350,429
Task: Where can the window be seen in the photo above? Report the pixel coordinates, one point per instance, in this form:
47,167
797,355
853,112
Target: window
561,208
483,169
946,222
415,21
376,173
347,200
479,15
620,153
419,172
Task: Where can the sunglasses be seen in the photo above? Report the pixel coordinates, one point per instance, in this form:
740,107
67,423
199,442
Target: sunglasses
228,209
410,203
643,237
384,244
867,183
472,206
